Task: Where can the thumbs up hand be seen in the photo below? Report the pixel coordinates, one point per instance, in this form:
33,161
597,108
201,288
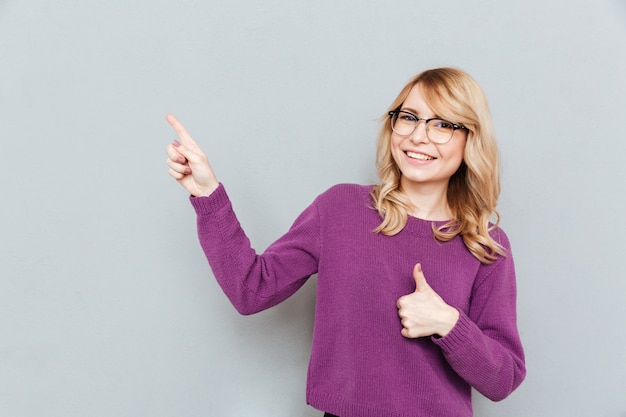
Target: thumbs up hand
423,312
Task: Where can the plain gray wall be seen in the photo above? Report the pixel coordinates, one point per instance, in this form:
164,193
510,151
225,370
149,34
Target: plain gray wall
107,306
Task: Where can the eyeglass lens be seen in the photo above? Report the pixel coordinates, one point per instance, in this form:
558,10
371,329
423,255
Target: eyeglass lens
437,130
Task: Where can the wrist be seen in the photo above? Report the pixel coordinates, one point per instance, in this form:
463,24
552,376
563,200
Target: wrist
205,191
451,319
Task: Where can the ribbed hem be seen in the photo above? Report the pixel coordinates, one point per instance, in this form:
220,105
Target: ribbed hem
342,407
339,406
458,336
211,203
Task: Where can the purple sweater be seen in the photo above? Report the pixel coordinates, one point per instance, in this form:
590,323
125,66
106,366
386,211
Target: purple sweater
361,365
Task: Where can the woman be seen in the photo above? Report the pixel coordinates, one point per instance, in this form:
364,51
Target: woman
416,293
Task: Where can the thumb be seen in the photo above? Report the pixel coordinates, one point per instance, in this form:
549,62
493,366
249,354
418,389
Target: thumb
420,279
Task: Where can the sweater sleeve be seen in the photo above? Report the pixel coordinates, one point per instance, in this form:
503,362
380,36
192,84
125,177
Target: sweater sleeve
484,347
254,282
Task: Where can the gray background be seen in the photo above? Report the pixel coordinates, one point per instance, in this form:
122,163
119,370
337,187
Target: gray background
107,306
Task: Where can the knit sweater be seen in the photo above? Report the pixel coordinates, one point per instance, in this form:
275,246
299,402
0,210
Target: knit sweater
360,364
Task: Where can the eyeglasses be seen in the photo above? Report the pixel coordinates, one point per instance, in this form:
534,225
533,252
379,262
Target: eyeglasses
438,130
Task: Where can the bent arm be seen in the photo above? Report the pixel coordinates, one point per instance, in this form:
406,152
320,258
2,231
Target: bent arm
254,282
484,347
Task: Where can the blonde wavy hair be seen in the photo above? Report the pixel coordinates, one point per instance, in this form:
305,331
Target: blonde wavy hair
473,189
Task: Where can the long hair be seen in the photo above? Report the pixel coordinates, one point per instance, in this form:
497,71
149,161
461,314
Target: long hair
473,189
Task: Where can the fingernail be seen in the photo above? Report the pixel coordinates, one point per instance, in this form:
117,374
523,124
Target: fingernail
181,160
176,143
187,171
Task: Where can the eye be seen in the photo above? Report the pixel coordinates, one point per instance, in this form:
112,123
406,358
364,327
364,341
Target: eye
407,117
442,124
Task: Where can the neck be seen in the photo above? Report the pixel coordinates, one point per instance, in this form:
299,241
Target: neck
428,202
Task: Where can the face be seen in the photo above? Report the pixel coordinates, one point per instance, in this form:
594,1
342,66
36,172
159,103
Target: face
422,162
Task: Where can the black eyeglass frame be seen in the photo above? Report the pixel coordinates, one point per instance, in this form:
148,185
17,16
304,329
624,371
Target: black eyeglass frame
455,126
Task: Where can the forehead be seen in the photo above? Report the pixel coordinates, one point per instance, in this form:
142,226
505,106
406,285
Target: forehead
416,102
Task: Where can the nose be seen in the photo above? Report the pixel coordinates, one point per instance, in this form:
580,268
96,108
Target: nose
419,133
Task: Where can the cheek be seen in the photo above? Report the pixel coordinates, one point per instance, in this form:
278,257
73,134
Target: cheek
396,152
454,156
457,153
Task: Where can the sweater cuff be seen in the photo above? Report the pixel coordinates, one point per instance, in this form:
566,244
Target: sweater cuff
210,203
458,336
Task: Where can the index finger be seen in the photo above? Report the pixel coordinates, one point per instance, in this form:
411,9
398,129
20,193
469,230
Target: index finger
181,131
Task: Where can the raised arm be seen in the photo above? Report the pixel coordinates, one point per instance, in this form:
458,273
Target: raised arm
188,164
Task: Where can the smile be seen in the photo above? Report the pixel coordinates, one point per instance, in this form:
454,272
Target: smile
419,156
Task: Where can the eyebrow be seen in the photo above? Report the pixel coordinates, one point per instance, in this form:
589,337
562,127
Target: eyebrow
436,116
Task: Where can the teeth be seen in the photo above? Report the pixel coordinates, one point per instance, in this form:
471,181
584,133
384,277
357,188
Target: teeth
420,156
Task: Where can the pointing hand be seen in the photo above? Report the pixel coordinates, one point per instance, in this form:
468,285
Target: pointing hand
188,164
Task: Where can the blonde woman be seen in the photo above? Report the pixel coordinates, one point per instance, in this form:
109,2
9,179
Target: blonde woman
416,292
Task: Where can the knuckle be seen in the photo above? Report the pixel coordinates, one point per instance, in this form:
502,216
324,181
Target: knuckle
411,333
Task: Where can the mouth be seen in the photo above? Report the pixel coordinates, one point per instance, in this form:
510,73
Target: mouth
419,156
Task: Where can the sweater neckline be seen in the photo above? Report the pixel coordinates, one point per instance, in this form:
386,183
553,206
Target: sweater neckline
414,225
421,226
